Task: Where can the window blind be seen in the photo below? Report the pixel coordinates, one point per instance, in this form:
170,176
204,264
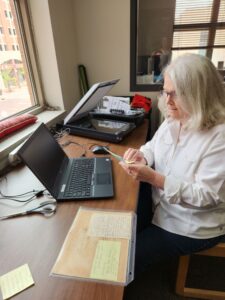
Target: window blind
199,24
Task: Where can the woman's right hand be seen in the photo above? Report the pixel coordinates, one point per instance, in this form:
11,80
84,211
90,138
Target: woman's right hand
134,156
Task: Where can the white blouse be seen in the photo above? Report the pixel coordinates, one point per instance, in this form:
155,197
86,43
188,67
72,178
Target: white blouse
193,200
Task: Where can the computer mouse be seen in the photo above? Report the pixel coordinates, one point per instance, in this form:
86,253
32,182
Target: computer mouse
99,150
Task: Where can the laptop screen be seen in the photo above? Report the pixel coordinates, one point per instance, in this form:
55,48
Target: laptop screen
43,155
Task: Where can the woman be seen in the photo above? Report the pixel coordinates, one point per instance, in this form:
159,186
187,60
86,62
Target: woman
188,155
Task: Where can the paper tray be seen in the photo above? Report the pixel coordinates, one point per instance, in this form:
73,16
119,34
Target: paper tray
99,246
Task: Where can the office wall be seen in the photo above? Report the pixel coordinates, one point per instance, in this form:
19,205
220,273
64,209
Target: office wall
102,29
103,41
71,32
53,27
62,21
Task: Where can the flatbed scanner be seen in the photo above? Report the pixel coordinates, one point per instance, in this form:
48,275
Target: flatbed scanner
80,121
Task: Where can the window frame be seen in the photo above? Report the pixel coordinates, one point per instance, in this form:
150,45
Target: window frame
23,22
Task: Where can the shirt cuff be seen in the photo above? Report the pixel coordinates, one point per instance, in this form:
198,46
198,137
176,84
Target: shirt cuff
172,188
148,156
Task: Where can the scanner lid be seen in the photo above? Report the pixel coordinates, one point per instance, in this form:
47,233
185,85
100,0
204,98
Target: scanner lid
90,100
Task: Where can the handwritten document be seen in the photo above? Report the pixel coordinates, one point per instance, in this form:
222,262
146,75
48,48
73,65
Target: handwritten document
117,225
106,260
110,103
16,281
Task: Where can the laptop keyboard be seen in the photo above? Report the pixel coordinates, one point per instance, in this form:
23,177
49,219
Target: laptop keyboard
80,178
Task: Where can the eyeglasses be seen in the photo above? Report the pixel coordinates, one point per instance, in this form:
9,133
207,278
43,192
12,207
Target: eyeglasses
171,94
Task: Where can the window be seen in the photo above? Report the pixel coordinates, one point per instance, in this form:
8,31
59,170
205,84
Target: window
199,27
161,30
19,82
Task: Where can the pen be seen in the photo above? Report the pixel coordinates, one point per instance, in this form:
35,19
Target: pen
118,157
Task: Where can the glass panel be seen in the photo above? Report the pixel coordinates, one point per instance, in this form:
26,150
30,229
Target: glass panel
220,37
154,39
195,38
218,58
192,11
221,17
15,87
176,53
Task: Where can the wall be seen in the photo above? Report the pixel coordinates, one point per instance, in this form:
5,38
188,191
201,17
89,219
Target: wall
62,19
103,41
53,28
44,41
71,32
102,29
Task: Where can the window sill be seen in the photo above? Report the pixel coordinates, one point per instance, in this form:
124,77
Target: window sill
10,142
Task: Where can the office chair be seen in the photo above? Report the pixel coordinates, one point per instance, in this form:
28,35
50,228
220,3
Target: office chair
181,289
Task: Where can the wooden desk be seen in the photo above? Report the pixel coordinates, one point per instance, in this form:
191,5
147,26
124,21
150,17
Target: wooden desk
37,240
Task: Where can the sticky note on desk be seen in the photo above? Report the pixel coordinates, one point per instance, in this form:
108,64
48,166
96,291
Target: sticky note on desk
106,261
16,281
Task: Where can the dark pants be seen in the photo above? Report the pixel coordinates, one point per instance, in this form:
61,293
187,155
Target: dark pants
154,244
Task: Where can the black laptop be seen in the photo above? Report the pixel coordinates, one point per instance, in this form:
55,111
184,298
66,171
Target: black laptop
63,177
80,121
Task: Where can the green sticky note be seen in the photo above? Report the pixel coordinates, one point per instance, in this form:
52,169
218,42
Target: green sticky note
106,260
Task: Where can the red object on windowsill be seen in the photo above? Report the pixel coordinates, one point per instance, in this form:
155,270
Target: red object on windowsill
140,101
12,124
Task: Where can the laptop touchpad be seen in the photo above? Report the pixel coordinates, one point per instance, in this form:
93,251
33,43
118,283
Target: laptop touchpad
102,178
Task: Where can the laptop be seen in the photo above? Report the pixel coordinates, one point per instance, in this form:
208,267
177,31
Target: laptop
66,178
81,122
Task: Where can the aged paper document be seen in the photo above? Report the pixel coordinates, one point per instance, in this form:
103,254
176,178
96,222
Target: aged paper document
99,246
114,225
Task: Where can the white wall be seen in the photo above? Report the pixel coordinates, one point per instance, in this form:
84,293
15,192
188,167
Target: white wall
103,41
95,33
46,52
53,24
103,44
62,18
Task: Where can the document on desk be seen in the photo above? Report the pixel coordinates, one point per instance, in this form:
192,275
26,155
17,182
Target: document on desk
110,225
99,247
110,103
16,281
106,260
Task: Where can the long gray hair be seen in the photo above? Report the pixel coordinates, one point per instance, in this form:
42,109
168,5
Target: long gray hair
200,90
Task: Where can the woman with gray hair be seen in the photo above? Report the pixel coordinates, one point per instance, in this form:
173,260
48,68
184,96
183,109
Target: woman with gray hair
184,164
